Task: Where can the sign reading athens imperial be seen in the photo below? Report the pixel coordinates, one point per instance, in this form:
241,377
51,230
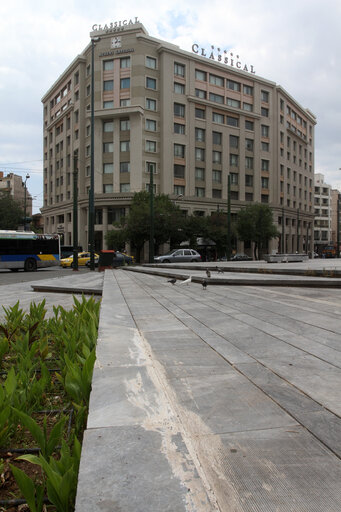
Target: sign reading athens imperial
114,26
222,56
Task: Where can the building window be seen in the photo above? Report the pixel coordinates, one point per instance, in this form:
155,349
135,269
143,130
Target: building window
264,96
264,130
248,107
265,165
216,193
124,146
179,128
200,154
108,189
248,180
248,90
125,187
108,104
264,112
150,167
249,144
217,98
265,146
217,118
248,162
216,157
179,171
232,121
200,113
179,190
199,173
124,166
216,80
234,160
249,125
179,88
150,104
179,69
125,62
125,102
151,83
234,86
108,126
265,199
108,147
179,110
234,141
124,125
216,138
200,135
248,196
179,150
233,103
150,62
151,125
199,192
200,94
234,178
108,65
148,188
151,146
108,168
216,176
200,75
125,83
108,85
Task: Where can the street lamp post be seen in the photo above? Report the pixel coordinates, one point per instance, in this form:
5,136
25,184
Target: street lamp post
151,197
91,229
228,245
25,194
75,213
338,226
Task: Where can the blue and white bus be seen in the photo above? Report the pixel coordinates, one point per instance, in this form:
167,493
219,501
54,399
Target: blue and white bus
28,250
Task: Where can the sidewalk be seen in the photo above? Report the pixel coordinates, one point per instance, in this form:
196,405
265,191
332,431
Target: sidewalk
220,399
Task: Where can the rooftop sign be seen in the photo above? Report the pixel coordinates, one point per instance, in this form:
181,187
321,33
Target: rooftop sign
223,56
114,26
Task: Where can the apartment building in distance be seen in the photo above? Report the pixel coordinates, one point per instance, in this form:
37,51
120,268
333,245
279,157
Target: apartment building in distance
191,118
15,186
323,213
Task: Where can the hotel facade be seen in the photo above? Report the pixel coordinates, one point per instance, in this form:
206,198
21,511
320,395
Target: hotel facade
191,118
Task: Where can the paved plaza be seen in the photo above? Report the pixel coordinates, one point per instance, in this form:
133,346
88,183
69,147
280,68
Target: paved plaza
218,399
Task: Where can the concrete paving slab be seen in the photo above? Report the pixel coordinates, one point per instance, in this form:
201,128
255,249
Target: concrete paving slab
135,475
276,470
121,396
229,403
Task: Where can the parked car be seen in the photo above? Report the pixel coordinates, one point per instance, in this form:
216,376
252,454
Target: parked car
83,259
241,257
178,255
121,257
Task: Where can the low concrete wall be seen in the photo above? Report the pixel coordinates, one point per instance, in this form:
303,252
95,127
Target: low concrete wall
285,258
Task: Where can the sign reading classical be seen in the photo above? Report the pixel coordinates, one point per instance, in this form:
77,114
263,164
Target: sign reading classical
114,26
222,56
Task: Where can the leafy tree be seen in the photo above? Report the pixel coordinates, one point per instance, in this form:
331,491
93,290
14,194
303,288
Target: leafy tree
255,223
217,227
11,215
135,227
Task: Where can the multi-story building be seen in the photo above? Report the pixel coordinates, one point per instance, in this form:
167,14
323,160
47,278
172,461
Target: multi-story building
189,118
17,188
323,213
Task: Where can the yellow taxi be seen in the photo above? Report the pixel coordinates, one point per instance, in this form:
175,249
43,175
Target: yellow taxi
83,258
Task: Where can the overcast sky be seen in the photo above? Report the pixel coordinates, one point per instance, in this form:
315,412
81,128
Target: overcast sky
295,43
